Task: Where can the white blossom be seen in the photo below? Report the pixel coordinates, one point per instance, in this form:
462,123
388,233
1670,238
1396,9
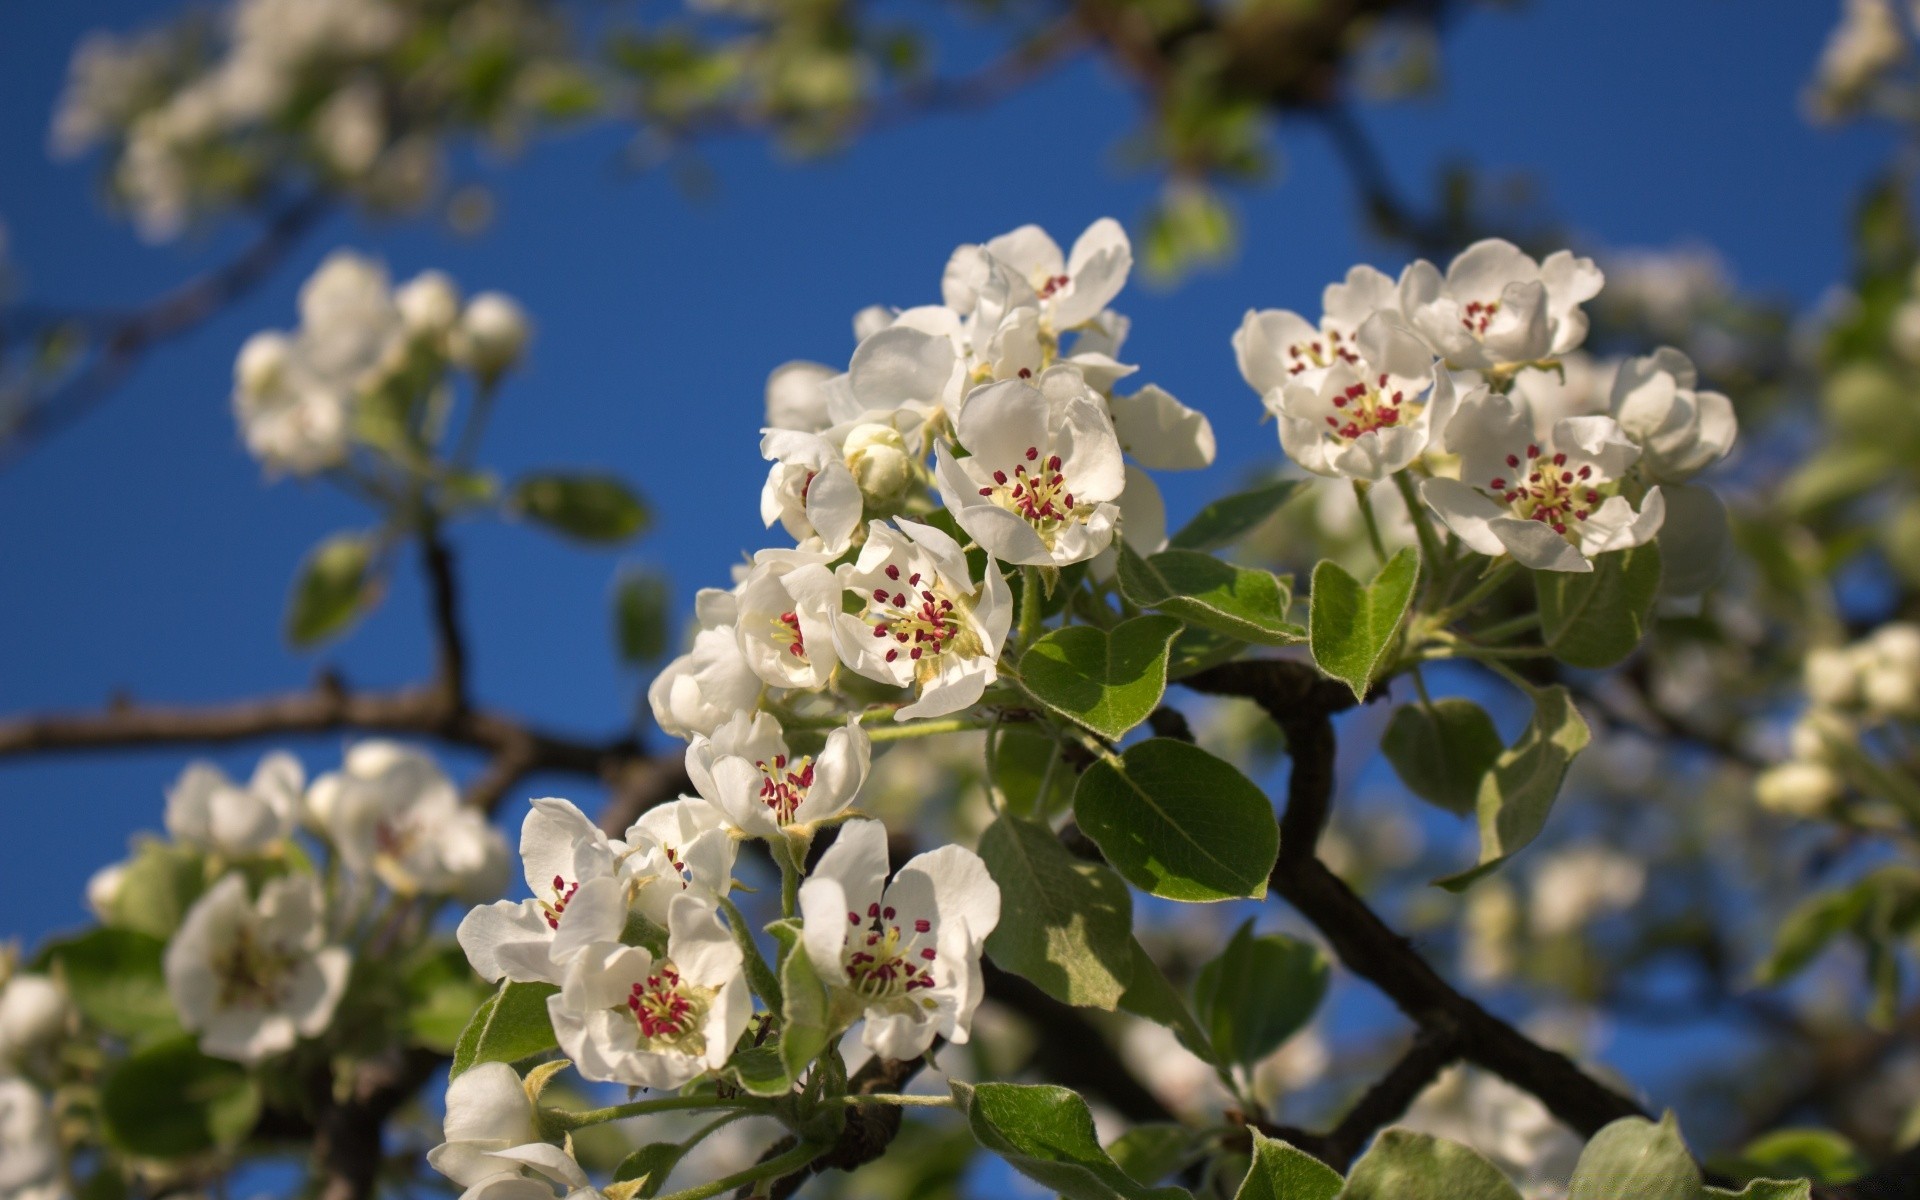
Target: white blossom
1798,789
1160,433
1680,429
1498,309
429,304
624,1017
1042,471
33,1016
491,1134
785,626
796,398
392,813
291,419
1068,290
705,686
1574,887
571,869
904,954
763,789
1552,502
1274,346
1372,412
809,490
681,846
251,977
30,1164
1890,671
208,810
492,334
923,622
1866,43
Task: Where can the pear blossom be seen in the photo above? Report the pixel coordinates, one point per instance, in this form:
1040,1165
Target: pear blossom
809,490
1680,429
624,1017
1497,309
1799,789
681,846
392,813
291,419
796,398
572,870
923,623
103,891
1043,470
881,462
208,810
253,976
1867,43
763,789
910,370
30,1163
1580,387
699,690
1890,671
33,1015
1575,887
348,320
905,954
785,625
1372,412
1160,433
1070,289
1273,346
491,1132
429,304
492,334
1552,502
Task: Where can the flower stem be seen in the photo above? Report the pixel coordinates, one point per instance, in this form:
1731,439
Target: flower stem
899,731
783,853
897,1098
1030,602
1366,514
773,1168
760,976
1422,523
640,1108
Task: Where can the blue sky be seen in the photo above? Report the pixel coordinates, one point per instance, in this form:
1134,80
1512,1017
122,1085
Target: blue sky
143,553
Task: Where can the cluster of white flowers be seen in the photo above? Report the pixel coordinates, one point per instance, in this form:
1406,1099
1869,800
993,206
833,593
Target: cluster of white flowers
255,966
34,1016
298,395
1854,692
1472,378
1868,43
30,1159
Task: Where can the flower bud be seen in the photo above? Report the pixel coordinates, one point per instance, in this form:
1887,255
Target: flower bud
493,334
262,358
1815,734
1890,677
871,320
1831,676
1798,789
33,1012
103,890
877,456
429,304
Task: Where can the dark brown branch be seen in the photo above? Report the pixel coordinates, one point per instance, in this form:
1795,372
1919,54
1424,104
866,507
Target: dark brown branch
870,1128
122,339
1432,1052
1070,1051
349,1143
450,646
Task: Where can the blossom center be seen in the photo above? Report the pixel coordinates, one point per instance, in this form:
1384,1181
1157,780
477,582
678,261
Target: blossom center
1332,347
921,620
884,958
1365,407
1478,315
252,972
563,893
669,1011
1546,489
786,629
784,784
1037,493
1051,284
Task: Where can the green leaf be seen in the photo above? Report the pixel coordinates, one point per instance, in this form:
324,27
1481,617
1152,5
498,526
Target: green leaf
1180,823
1595,619
1151,995
1442,751
1635,1157
1258,993
170,1101
806,1024
1107,680
511,1025
1350,626
117,980
1046,1133
1240,602
652,1162
160,884
443,993
761,1071
1403,1165
591,508
1022,756
335,588
1808,929
641,616
1280,1172
1230,518
1516,796
1149,1153
1817,1154
1065,924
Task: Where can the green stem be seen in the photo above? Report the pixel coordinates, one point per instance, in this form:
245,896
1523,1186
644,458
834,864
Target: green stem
640,1108
914,729
760,976
773,1168
1366,514
1422,523
1501,630
1495,575
1031,600
783,853
901,1099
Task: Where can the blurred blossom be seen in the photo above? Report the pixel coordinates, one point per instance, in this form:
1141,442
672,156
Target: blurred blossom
1574,887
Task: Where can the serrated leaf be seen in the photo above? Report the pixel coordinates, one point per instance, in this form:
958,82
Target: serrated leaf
1636,1157
511,1025
1046,1133
1258,993
1180,823
1241,602
116,978
1442,751
589,507
1403,1165
1106,680
171,1101
1351,625
333,589
1596,618
1280,1172
642,605
1065,925
1232,517
1517,795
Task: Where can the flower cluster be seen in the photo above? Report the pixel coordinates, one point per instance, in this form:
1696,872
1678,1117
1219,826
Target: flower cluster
1860,695
303,399
1463,379
261,956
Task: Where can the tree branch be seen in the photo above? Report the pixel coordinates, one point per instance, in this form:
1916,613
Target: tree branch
1432,1052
